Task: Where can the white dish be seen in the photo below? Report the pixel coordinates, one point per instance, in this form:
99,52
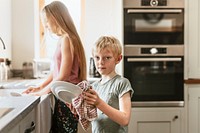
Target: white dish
65,91
15,94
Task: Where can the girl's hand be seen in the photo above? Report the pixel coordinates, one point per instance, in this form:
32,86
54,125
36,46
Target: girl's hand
31,89
40,91
91,97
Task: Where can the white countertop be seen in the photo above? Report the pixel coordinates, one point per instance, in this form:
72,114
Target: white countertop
19,83
21,105
24,104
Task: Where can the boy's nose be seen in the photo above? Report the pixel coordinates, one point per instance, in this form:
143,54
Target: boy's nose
101,61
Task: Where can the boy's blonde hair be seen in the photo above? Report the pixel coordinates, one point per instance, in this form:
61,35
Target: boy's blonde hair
108,42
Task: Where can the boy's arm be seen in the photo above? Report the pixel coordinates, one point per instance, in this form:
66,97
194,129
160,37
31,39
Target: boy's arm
121,116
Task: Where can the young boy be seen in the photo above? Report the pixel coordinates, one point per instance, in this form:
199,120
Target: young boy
112,93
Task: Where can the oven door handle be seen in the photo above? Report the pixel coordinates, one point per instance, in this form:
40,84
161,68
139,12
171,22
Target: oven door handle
154,11
152,59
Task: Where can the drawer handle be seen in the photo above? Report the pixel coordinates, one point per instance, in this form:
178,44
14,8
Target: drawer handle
175,117
32,128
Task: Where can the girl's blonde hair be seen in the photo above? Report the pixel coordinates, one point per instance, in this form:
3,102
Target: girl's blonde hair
60,14
108,42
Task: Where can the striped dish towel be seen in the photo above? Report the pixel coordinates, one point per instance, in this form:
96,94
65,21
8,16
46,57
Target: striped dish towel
86,112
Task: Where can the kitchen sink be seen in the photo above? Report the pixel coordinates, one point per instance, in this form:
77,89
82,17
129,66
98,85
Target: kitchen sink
4,111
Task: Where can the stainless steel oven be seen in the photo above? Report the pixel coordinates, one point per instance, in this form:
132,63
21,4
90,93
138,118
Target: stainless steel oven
156,74
154,51
159,23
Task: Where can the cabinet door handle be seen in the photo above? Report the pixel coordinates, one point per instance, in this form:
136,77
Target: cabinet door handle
175,117
32,128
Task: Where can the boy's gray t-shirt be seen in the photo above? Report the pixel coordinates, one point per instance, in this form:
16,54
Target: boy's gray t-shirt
110,92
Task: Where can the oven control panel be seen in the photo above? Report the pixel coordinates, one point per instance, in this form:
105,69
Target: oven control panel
153,50
154,3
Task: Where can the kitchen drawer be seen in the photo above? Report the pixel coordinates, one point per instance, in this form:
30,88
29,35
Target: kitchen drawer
26,124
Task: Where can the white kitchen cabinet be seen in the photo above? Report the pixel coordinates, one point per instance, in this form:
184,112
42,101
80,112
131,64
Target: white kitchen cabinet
192,38
156,120
26,124
15,129
193,108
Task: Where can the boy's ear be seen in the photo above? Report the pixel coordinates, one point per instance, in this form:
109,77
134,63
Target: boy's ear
119,58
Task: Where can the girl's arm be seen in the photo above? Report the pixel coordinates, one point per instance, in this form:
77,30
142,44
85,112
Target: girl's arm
47,81
66,64
65,69
121,116
32,89
44,89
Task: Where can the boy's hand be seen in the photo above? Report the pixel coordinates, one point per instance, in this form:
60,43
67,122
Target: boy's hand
91,97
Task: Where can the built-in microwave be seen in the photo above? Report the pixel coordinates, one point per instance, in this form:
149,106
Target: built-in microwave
149,24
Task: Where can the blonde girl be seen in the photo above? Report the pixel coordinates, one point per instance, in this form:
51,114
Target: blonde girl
69,63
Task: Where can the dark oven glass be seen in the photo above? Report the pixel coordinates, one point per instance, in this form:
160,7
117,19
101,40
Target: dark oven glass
153,26
154,79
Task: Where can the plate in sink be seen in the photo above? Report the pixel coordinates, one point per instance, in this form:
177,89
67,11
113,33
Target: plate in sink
65,91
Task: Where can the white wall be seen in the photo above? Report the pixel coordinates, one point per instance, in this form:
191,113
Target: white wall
23,32
5,28
102,17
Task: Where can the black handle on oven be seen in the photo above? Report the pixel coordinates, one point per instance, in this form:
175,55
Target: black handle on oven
154,11
152,59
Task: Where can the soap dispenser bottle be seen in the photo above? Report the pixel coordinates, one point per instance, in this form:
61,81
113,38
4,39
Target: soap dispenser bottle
3,71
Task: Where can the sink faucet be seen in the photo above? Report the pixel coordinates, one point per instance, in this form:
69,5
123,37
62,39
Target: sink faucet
4,47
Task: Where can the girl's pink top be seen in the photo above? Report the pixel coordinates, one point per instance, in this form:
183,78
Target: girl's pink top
73,77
